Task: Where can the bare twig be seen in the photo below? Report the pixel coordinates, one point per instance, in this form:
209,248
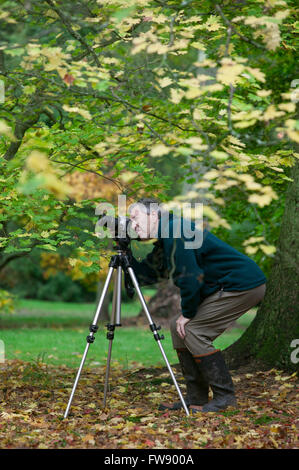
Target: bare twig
229,108
121,187
229,34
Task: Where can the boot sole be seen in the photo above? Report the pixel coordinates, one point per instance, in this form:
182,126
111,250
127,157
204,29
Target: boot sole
214,408
177,407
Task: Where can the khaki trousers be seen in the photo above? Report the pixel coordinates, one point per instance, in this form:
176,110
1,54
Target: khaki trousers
214,315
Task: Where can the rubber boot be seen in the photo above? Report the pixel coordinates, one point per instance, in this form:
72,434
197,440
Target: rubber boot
215,371
197,388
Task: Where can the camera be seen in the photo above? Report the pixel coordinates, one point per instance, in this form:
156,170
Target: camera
119,227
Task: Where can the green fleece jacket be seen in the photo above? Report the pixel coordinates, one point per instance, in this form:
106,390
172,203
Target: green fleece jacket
198,272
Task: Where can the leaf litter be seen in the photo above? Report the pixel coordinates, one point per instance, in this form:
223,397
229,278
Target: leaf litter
34,397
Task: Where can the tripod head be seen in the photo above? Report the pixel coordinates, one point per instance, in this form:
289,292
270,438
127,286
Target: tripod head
120,229
124,259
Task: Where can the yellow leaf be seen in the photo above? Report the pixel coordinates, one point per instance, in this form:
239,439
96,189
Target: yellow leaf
198,114
251,250
214,87
252,185
37,162
276,168
261,200
157,47
89,439
212,24
195,142
233,140
56,186
42,446
128,176
259,174
268,249
83,112
271,113
176,95
246,115
244,124
45,234
263,93
289,107
274,442
252,240
140,44
260,76
212,174
159,150
229,72
164,82
198,45
282,14
293,135
218,154
203,184
193,92
230,173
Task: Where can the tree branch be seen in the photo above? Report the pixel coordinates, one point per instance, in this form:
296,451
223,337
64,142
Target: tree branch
228,23
72,32
12,257
2,63
20,129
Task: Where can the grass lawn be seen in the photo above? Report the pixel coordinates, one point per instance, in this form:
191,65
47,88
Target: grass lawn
55,332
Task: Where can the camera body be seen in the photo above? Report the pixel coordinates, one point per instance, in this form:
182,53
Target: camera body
119,228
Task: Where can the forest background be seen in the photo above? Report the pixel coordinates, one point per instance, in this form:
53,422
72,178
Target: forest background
185,102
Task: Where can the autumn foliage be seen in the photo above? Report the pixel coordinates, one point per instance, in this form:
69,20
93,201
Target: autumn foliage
34,398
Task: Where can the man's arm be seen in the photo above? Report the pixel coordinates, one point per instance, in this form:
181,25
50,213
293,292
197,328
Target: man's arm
148,271
187,275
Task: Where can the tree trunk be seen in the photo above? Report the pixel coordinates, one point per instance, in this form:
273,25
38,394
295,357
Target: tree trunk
268,339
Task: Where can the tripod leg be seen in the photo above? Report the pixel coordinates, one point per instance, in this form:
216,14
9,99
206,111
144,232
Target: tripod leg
157,337
107,371
90,338
115,318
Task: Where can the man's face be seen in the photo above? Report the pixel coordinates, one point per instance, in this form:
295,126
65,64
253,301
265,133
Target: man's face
145,225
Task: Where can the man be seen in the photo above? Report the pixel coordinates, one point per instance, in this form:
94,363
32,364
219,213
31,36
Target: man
217,285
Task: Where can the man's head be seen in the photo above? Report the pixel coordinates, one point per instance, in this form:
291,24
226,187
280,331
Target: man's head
145,215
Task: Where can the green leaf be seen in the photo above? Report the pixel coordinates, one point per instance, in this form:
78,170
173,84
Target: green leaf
15,52
102,85
123,13
47,246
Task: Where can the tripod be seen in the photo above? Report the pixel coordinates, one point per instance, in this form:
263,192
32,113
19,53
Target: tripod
120,262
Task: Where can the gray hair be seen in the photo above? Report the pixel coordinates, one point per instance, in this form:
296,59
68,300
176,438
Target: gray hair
149,204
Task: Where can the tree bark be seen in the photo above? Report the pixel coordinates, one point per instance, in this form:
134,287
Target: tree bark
268,339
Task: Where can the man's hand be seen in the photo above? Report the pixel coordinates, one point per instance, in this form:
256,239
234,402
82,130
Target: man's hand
180,325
